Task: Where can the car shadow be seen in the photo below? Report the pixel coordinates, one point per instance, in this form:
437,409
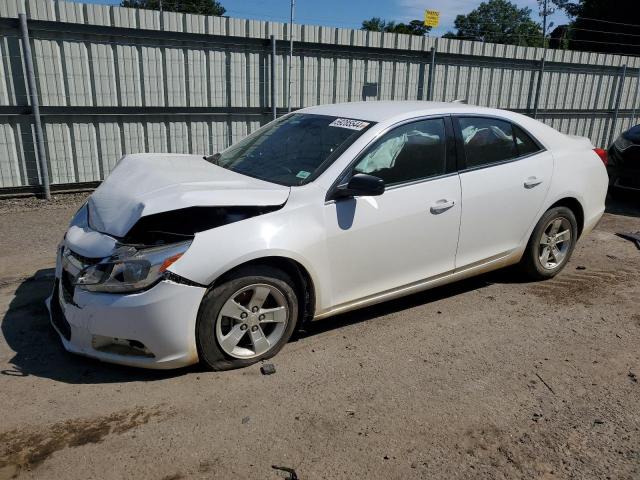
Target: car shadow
39,352
624,203
502,276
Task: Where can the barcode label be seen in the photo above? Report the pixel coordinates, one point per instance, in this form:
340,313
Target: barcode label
350,124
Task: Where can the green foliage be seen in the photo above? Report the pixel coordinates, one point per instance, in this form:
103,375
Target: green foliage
603,26
377,24
559,37
498,21
201,7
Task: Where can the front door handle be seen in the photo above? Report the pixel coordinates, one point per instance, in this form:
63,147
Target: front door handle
441,206
532,182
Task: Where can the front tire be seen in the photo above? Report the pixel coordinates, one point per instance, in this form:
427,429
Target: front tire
551,244
247,318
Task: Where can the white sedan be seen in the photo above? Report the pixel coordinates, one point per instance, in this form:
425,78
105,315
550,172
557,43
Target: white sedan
176,259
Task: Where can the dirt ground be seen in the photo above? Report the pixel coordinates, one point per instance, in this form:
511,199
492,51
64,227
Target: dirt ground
486,378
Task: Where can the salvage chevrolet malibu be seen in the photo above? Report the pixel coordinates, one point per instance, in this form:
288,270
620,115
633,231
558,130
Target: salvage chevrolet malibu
176,259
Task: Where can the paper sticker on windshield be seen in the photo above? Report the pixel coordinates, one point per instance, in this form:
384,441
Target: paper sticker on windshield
303,174
350,124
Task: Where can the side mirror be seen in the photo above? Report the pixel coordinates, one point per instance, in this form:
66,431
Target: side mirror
361,185
213,158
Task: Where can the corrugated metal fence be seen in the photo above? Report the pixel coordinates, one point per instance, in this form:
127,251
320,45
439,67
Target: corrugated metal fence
114,80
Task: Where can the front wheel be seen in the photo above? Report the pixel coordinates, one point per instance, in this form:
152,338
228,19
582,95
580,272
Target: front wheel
551,244
246,318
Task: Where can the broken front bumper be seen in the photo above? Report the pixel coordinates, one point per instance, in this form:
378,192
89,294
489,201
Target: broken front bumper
153,329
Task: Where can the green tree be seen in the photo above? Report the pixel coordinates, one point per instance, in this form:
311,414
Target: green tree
601,26
559,37
374,24
414,27
377,24
498,21
201,7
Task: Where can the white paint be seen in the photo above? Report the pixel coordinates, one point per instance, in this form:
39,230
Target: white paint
162,318
89,243
497,208
145,184
358,251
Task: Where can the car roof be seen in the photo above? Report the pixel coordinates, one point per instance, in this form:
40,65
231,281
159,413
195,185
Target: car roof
389,112
380,111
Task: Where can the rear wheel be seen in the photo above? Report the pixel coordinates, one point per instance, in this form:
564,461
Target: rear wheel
246,318
551,244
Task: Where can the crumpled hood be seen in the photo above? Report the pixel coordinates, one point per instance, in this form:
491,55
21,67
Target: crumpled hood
145,184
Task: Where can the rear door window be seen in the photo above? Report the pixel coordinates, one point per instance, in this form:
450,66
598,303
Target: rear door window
490,140
486,141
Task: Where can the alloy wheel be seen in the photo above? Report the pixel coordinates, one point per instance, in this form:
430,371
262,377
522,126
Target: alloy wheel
252,321
555,243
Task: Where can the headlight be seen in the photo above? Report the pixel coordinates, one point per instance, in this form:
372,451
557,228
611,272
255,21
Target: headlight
622,143
129,269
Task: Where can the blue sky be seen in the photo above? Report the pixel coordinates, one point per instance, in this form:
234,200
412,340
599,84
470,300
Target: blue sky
350,13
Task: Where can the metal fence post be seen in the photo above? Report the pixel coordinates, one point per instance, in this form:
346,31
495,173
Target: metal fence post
538,88
293,6
616,110
432,68
273,76
35,104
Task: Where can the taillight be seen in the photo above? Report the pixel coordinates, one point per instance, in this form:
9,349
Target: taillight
602,153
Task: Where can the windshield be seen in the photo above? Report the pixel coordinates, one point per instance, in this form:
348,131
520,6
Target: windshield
292,150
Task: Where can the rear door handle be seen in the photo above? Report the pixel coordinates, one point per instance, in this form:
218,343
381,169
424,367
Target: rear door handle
532,182
441,206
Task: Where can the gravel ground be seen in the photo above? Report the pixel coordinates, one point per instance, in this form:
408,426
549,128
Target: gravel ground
32,228
28,204
486,378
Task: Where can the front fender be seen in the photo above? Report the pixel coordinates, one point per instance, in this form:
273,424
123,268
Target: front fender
296,234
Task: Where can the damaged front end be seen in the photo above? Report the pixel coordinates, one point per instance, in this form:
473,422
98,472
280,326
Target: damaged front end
97,262
119,303
115,299
179,225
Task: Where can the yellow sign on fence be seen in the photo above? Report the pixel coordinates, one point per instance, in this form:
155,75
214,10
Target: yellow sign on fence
431,18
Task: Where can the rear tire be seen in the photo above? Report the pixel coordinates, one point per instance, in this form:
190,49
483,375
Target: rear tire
247,318
551,244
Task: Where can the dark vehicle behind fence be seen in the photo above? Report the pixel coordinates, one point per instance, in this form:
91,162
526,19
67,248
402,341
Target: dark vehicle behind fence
624,161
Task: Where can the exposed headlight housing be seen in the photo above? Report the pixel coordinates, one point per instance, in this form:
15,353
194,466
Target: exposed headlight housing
129,269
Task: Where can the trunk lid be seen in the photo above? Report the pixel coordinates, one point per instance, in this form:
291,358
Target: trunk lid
580,141
145,184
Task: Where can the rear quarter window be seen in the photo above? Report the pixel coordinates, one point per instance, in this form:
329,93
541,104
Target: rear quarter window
524,143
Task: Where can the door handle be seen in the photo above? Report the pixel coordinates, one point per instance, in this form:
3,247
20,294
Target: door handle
441,206
532,182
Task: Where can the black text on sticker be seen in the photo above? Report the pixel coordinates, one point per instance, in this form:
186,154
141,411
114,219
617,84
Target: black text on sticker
350,124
